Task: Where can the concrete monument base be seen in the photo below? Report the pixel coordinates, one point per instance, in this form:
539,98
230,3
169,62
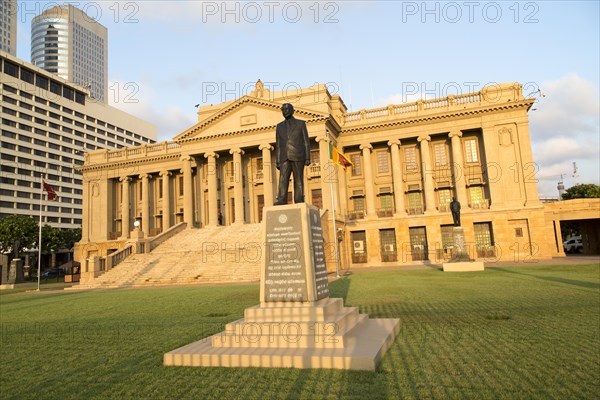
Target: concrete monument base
461,262
288,335
464,266
297,324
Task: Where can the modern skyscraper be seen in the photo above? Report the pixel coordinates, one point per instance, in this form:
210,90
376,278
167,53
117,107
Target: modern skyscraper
8,26
68,42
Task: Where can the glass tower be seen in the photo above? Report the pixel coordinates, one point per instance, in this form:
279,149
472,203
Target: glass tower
69,43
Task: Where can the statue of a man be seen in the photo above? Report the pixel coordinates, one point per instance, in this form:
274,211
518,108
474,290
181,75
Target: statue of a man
292,153
455,208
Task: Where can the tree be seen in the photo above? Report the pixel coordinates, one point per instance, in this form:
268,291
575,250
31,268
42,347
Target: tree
583,191
52,239
71,236
17,230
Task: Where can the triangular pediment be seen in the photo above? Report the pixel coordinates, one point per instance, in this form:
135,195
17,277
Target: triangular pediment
245,114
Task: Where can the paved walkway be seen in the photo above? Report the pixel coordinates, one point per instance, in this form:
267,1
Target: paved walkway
568,260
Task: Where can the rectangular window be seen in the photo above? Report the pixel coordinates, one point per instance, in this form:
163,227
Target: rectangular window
316,198
181,186
386,203
439,152
447,236
471,155
415,205
477,196
314,156
387,239
418,243
160,188
359,203
410,159
484,240
383,164
11,69
359,246
444,198
519,232
356,164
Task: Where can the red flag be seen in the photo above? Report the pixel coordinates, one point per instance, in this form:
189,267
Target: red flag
51,193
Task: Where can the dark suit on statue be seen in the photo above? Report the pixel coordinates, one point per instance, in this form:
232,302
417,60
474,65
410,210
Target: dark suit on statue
292,154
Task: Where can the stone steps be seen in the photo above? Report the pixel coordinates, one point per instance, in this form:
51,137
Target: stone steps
207,255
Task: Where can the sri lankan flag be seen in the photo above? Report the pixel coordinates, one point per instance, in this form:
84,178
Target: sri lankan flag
337,157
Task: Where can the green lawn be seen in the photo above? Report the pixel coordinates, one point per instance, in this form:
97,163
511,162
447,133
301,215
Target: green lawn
504,333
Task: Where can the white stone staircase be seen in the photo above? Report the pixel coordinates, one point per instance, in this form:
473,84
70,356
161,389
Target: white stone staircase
208,255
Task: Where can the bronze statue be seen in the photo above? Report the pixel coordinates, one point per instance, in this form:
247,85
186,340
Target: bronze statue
292,153
455,208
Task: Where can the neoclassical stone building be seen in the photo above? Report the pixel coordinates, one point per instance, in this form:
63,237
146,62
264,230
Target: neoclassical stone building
391,206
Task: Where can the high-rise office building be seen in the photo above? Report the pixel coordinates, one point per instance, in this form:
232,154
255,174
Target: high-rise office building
68,42
47,126
8,26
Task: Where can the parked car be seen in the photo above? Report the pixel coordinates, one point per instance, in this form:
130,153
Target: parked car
53,273
573,245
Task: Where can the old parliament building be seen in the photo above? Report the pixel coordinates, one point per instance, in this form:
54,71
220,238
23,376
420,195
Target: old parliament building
391,206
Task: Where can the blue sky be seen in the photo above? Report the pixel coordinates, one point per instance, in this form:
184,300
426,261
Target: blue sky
167,56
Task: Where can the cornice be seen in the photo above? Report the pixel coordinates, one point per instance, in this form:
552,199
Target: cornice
140,161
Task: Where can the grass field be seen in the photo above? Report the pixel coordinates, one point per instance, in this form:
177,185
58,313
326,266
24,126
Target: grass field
504,333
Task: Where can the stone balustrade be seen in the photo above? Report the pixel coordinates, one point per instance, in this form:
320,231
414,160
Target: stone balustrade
451,102
146,150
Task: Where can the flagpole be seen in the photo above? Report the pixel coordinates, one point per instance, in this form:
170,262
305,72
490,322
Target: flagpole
335,242
40,232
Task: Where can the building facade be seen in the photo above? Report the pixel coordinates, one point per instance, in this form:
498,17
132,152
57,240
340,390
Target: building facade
68,42
8,26
391,206
47,126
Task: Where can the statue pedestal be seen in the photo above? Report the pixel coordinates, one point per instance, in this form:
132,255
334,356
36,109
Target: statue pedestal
297,324
460,261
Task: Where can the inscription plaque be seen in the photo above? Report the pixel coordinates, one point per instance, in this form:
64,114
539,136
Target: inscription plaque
318,251
285,275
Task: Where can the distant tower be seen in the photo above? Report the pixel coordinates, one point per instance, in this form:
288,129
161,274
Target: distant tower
8,26
69,43
575,174
561,188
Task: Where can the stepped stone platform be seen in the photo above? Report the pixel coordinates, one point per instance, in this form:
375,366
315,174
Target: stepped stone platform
296,324
223,254
289,335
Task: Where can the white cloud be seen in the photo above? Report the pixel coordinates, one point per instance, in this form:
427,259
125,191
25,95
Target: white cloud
565,128
170,120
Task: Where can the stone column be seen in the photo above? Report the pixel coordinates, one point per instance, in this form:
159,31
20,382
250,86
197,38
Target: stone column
369,183
427,173
238,187
188,192
166,201
328,172
397,178
125,206
267,174
459,168
213,214
145,204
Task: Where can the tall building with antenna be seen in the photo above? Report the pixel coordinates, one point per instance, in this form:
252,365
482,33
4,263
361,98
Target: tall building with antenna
68,42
